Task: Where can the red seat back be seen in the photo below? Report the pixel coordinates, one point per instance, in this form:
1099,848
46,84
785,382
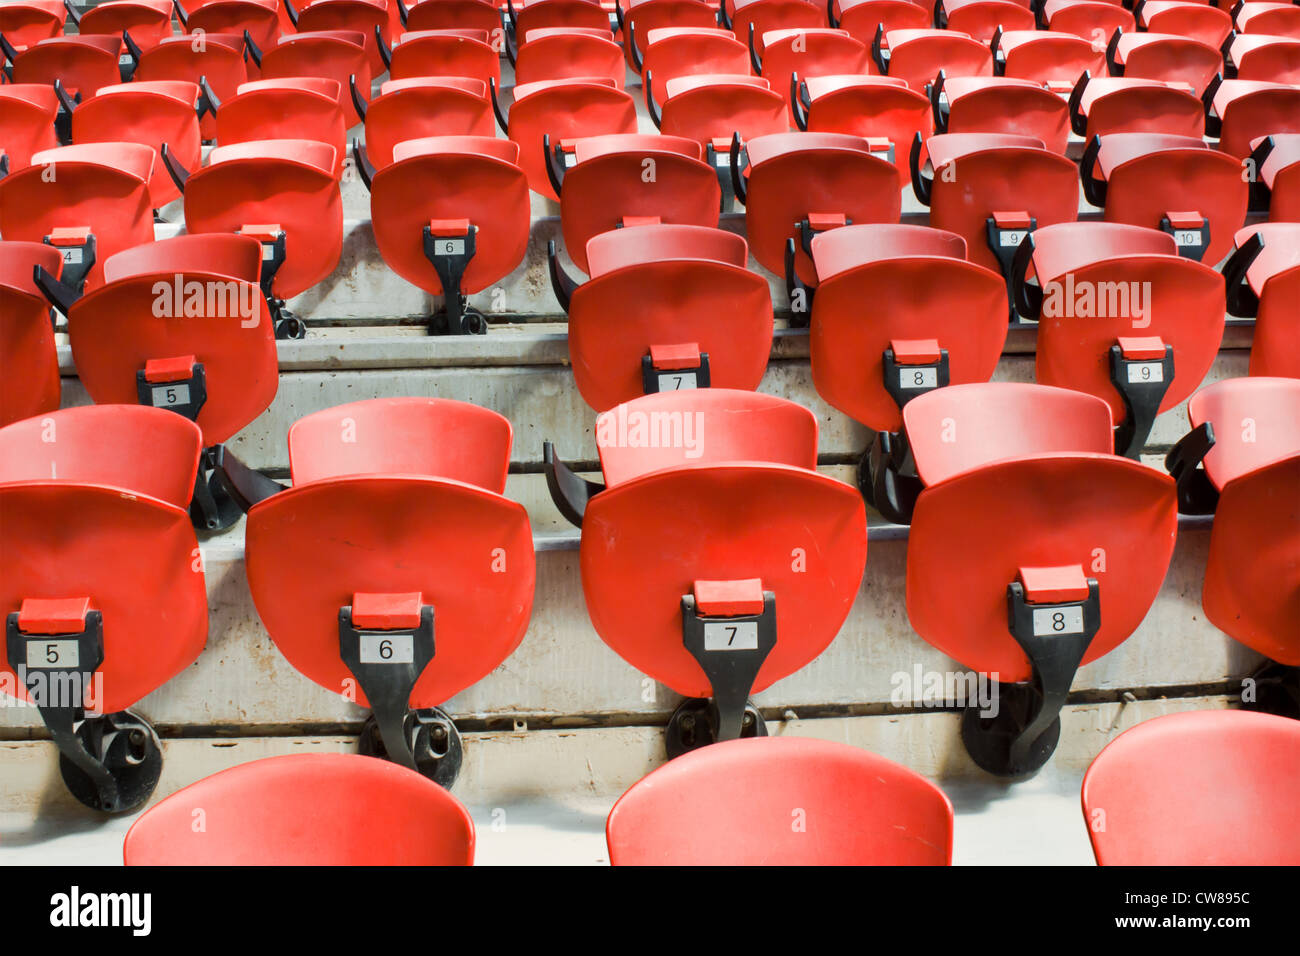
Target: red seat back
216,57
29,382
83,63
27,112
304,107
329,54
28,22
427,106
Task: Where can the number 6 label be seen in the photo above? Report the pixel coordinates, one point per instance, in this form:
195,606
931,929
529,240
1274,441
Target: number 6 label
387,649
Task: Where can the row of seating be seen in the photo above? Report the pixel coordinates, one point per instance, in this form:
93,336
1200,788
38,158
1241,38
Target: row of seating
715,558
781,801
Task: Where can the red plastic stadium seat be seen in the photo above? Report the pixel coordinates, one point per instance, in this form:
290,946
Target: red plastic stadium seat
148,21
463,53
214,57
809,52
1275,283
1246,110
306,810
149,113
1162,56
425,106
261,19
301,107
1002,104
922,292
1122,316
1247,434
690,51
541,14
1199,21
1024,527
454,14
96,203
682,17
82,63
709,107
273,188
1093,20
180,324
668,307
1275,18
1147,804
563,110
27,22
862,18
27,112
559,53
1175,183
1122,104
356,16
762,16
29,376
329,54
716,560
993,188
802,183
101,583
1057,59
384,539
739,803
451,216
1263,252
874,107
607,186
917,56
1260,56
982,19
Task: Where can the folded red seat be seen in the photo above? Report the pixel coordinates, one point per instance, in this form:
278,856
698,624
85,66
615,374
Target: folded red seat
1123,104
90,201
1242,111
149,113
1260,275
1260,56
1057,59
709,108
639,17
1274,18
999,104
993,189
1155,807
668,307
453,15
395,571
260,19
148,21
529,15
761,16
336,55
917,56
101,585
27,114
363,813
862,18
370,18
1025,526
29,375
27,22
745,797
777,54
1122,316
216,60
284,193
450,215
715,558
300,107
1176,183
1093,20
558,53
557,112
671,52
1163,56
879,108
1276,184
982,19
82,63
425,106
180,324
796,185
934,319
629,180
461,52
1241,461
1199,21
